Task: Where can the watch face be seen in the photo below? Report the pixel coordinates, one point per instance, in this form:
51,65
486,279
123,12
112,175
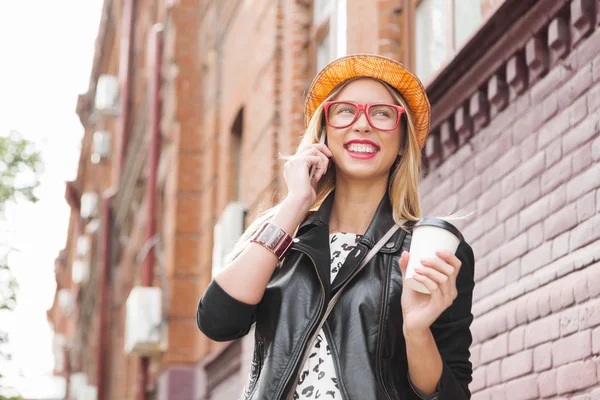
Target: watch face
271,236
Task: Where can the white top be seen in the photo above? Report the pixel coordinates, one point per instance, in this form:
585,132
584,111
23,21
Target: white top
318,378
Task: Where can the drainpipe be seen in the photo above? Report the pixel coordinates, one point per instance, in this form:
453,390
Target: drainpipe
74,202
67,355
126,46
154,84
106,224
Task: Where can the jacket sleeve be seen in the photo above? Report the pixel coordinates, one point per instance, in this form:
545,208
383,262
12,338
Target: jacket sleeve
221,317
452,335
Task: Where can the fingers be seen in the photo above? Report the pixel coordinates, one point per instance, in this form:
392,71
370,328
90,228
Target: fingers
438,265
320,147
319,151
317,167
429,283
325,157
441,295
444,284
304,162
316,161
433,274
442,272
323,149
450,259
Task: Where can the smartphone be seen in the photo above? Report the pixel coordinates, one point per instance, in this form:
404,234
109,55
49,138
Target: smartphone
313,169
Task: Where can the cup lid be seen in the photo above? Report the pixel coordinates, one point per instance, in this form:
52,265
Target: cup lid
440,223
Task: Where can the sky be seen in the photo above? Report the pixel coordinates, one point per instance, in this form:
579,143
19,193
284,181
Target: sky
46,53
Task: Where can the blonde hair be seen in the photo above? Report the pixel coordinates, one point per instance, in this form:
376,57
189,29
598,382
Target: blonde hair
403,183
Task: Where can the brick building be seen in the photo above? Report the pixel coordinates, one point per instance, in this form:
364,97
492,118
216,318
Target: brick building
515,93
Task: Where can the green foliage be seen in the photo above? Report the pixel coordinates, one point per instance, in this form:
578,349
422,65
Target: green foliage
8,291
17,397
19,165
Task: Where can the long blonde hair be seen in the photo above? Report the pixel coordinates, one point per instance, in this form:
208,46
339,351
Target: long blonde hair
403,184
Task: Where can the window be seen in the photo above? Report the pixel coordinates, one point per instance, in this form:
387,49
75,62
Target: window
329,32
442,27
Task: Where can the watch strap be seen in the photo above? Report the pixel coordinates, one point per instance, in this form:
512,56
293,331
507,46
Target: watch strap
273,238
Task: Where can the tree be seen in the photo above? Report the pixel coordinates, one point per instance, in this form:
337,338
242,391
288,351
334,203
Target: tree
19,167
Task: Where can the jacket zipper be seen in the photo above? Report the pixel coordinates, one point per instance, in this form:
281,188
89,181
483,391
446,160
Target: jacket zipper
307,337
380,335
311,337
259,363
336,366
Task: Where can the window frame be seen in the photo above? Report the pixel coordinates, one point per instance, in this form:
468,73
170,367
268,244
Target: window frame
318,33
328,23
410,33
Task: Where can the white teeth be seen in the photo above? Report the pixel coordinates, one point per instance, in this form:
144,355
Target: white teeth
361,148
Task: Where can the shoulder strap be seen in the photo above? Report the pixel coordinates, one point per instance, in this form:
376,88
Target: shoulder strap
335,298
364,262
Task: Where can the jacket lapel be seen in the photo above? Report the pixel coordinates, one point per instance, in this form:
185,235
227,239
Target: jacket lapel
313,239
381,223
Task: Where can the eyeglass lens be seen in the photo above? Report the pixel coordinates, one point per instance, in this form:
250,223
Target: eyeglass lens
380,116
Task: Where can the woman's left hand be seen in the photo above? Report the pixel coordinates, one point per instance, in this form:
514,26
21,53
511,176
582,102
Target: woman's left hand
439,276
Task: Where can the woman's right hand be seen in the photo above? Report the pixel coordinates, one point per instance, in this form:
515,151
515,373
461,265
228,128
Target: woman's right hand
296,172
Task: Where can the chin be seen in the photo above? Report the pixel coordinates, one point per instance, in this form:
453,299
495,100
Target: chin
361,172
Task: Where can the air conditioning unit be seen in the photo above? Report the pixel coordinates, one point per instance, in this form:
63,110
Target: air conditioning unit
58,349
100,146
226,233
80,271
83,245
78,386
93,226
107,95
90,393
89,205
66,301
144,333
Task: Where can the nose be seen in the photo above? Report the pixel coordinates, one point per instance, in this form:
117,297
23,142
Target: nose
362,123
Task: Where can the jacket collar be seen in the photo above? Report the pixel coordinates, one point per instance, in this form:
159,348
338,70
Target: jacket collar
382,221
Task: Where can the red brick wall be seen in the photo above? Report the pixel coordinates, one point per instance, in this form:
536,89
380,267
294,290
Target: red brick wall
533,179
183,197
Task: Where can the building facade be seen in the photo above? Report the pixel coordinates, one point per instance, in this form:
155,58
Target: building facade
190,104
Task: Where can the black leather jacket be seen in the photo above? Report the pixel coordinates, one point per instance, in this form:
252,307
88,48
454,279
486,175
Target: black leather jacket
364,329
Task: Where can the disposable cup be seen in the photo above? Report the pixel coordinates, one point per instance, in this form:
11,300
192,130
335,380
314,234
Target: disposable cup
429,236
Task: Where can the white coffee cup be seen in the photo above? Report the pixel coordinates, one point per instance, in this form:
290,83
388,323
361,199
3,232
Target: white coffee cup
429,236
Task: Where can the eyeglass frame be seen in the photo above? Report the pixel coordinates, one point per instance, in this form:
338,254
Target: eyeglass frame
363,107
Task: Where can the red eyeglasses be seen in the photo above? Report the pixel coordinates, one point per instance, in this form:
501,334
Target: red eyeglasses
381,116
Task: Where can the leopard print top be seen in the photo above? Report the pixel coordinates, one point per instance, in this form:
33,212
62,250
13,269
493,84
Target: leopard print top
318,379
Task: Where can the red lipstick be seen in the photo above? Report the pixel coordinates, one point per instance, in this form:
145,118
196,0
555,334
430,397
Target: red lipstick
361,155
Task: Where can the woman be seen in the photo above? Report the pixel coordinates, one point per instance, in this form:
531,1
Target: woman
367,121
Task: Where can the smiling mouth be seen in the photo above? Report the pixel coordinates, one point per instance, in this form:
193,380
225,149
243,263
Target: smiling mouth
361,148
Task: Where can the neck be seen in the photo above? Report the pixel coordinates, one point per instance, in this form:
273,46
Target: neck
355,203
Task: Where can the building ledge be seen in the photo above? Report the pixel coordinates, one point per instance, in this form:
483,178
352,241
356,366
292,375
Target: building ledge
512,51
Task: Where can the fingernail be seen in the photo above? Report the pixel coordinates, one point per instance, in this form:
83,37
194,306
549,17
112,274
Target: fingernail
418,270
